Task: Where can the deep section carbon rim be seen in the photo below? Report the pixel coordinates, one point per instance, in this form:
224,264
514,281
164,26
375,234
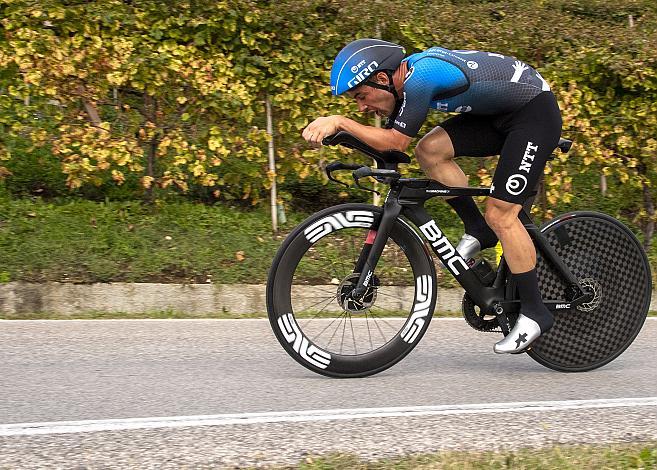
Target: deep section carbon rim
309,302
607,259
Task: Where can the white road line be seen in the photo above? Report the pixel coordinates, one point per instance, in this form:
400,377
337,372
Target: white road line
65,427
107,320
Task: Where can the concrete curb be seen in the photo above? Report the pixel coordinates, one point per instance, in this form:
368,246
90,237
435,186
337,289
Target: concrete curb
68,299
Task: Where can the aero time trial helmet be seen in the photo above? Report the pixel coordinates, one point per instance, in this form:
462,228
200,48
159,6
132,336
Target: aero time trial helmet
361,58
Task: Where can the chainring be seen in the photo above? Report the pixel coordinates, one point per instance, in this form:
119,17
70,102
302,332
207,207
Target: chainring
477,319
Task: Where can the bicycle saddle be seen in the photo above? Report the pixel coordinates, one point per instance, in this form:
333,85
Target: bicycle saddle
564,145
388,159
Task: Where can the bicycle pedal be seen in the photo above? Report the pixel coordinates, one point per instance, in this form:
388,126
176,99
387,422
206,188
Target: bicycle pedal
522,351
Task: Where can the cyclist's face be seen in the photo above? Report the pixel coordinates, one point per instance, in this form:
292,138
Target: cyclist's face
374,100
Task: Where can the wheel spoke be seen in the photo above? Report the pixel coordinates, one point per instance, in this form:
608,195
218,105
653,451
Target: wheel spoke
327,327
344,328
323,299
353,335
385,339
336,329
369,333
318,313
393,328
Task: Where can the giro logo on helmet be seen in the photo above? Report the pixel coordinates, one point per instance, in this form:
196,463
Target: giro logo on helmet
357,67
363,74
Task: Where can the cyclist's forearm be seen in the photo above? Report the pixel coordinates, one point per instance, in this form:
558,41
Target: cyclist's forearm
380,139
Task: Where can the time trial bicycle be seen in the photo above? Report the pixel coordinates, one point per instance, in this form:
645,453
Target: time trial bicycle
352,289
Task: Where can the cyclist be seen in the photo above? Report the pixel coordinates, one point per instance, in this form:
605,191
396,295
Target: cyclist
505,107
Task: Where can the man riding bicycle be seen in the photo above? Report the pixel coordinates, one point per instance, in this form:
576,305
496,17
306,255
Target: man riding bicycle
505,108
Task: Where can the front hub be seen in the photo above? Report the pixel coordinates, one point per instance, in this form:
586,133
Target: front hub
356,306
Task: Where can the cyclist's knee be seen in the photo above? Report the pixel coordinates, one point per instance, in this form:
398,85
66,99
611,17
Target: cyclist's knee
501,215
435,147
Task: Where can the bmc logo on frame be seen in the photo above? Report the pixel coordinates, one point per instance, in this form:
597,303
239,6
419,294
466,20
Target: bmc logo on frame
444,248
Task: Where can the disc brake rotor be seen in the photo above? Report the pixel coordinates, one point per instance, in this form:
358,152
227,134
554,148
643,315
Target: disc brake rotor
593,286
356,306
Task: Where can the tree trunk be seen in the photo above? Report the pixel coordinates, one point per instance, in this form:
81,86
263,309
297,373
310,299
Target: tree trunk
89,107
542,195
648,228
648,224
150,110
272,165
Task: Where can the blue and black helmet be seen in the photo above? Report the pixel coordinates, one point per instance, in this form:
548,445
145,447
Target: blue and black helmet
360,59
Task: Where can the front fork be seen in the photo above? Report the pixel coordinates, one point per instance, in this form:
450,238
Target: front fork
371,252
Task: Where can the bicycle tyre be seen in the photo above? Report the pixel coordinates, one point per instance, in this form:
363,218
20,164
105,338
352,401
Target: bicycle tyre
303,243
606,255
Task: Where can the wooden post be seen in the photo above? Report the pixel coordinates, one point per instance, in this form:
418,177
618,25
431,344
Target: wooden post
376,199
272,166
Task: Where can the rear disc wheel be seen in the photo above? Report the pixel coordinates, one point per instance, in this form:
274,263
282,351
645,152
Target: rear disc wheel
611,264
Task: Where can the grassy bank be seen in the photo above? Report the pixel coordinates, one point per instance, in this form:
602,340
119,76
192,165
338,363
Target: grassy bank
84,242
626,456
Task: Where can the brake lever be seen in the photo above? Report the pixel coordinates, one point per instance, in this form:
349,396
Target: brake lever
362,173
367,189
335,166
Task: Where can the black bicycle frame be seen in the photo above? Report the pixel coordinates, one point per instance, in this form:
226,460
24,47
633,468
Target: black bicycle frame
406,198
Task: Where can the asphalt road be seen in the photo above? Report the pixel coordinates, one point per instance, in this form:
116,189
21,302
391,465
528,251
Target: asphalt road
229,394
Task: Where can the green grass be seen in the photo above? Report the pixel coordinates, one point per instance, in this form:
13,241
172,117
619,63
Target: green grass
177,242
617,456
82,241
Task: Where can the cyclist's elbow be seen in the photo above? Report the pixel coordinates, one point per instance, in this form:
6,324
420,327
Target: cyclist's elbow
399,141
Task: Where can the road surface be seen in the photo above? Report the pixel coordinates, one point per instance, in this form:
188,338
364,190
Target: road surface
223,393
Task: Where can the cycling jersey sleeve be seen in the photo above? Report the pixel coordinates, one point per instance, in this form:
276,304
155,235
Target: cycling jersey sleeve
427,79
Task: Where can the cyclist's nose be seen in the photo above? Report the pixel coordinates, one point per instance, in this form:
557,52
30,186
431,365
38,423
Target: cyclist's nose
362,107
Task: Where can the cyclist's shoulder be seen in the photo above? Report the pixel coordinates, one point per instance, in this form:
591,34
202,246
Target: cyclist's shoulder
430,65
431,54
457,56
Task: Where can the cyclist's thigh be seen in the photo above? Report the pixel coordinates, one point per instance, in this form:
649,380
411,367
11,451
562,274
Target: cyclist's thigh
435,144
533,134
473,136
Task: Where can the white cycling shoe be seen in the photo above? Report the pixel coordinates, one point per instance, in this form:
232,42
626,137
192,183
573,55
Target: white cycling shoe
524,332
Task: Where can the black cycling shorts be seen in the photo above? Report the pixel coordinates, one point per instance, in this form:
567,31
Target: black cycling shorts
524,139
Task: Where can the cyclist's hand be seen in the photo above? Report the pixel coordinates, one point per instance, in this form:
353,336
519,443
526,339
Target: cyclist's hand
320,128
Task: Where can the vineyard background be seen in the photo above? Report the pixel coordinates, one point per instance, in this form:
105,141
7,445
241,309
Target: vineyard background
143,109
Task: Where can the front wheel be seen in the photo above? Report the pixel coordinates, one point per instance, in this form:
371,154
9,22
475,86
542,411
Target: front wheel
609,261
309,285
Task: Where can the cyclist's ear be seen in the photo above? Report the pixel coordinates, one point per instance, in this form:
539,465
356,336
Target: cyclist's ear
381,78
